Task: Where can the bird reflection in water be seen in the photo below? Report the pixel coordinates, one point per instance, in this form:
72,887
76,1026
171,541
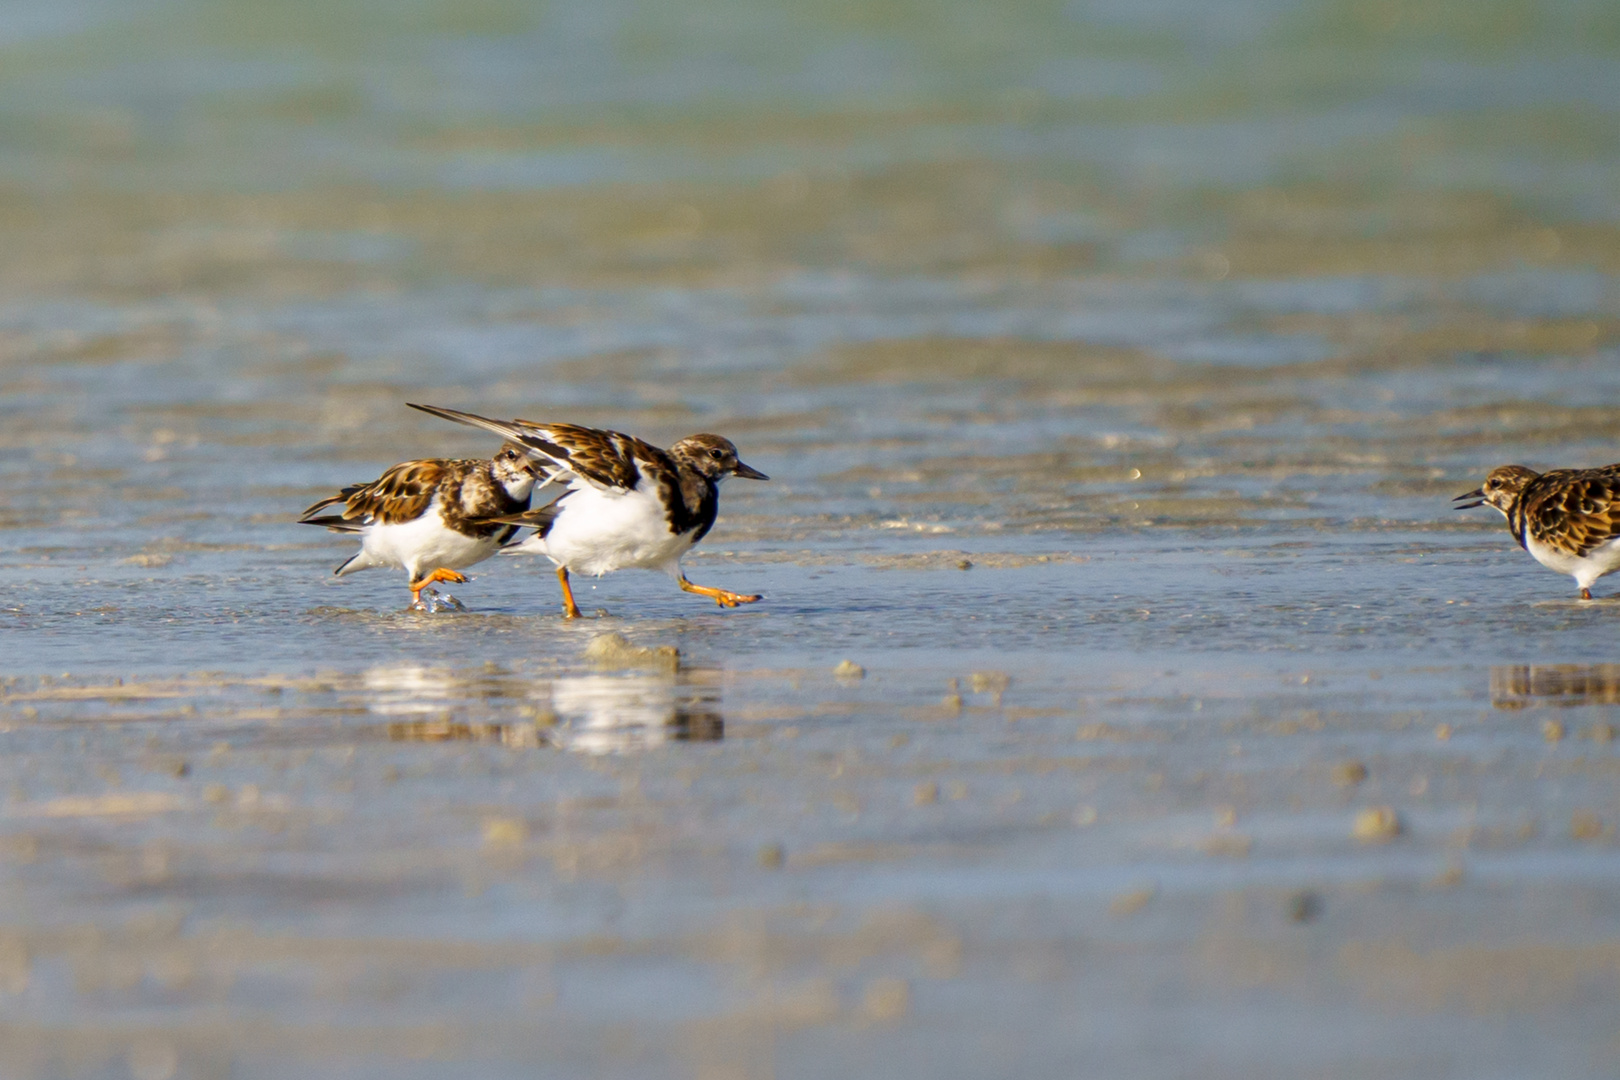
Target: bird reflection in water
593,714
605,714
1518,686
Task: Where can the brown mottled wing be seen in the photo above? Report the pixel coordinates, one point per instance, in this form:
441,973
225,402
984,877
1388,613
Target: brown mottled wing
554,460
605,459
602,459
399,495
1573,510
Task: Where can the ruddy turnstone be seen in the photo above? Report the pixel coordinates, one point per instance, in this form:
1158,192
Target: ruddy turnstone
431,517
1569,519
628,504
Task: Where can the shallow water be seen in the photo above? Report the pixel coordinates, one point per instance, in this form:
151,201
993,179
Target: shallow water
1113,364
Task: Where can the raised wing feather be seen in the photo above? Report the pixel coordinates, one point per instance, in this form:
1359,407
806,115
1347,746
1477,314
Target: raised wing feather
608,460
399,495
1574,510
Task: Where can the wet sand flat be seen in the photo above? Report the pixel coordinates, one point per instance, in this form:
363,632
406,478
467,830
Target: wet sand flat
1127,700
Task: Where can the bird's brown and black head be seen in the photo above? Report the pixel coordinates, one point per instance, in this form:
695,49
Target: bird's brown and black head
1501,489
712,456
514,471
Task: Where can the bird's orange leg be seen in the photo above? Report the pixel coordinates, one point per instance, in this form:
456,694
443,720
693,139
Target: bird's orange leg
441,574
570,609
720,596
1586,594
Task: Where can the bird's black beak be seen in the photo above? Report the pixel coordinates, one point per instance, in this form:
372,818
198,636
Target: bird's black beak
748,472
1478,495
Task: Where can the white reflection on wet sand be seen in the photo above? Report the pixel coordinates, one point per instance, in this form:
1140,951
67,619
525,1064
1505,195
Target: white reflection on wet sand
594,714
408,689
606,714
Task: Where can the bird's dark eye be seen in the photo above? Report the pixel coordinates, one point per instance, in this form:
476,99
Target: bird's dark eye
716,454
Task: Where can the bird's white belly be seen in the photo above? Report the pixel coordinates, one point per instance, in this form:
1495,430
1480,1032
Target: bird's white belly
1585,569
600,531
425,544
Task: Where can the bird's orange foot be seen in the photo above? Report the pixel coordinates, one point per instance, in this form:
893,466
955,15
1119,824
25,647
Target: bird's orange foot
1586,594
441,574
724,597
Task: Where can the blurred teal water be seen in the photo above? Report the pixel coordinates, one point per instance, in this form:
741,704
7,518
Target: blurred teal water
1113,364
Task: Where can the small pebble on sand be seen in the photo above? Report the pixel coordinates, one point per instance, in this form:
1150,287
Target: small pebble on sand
849,671
1303,907
990,682
1132,902
505,832
1349,773
886,999
1449,877
1377,825
1585,825
614,652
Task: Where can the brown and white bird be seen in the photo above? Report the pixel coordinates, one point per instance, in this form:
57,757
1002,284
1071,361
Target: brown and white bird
628,504
1568,519
431,517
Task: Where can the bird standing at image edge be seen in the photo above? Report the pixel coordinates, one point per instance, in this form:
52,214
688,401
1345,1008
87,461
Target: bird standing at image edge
1567,519
628,504
431,517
